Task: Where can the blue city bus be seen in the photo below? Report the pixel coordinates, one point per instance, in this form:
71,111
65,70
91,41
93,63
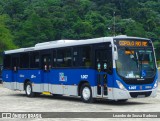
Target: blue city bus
114,68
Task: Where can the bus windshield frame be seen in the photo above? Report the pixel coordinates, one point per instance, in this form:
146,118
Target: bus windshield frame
135,61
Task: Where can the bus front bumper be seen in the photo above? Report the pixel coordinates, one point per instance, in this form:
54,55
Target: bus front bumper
119,94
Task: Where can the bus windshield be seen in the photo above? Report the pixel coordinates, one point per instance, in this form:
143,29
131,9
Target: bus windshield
136,62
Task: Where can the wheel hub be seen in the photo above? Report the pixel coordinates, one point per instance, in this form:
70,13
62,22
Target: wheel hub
28,89
86,93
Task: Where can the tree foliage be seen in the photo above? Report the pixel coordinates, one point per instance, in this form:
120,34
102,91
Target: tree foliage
5,36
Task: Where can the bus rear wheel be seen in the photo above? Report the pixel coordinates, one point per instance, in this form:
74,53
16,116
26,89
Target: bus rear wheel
86,93
28,90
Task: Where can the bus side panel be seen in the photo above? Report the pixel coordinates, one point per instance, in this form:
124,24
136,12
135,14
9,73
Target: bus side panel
65,81
72,76
110,82
34,76
7,79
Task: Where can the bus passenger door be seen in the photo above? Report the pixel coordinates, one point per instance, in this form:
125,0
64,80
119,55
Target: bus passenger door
46,66
15,66
101,66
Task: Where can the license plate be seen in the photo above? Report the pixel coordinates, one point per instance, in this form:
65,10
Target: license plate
140,96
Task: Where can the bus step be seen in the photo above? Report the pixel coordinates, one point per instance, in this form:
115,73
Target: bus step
46,93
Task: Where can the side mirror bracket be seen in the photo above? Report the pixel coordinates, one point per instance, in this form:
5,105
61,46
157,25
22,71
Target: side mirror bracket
115,53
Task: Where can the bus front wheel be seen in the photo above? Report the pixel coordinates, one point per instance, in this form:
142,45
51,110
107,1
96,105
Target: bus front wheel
86,93
28,90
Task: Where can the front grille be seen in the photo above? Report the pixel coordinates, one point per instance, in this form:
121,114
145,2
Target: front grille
138,82
136,94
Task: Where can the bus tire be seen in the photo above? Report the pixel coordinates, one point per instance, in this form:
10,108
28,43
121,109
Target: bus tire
28,90
86,93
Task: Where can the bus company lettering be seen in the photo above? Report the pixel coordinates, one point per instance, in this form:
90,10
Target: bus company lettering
133,43
62,77
33,76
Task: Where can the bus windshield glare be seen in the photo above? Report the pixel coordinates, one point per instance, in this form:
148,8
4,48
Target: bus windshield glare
136,62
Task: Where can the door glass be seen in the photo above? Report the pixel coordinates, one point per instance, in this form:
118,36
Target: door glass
101,60
15,63
46,61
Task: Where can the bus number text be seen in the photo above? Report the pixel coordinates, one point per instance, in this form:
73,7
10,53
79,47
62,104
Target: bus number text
132,87
84,76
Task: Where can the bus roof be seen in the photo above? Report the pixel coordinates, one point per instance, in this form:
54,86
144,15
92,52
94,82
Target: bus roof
65,43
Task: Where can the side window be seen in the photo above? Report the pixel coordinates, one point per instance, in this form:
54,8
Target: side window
64,58
54,58
7,62
24,60
85,58
15,62
46,61
68,58
60,58
34,60
76,56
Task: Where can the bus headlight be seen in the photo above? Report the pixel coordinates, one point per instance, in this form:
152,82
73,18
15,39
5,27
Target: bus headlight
155,85
120,85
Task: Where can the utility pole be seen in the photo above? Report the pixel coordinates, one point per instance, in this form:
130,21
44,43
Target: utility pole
114,28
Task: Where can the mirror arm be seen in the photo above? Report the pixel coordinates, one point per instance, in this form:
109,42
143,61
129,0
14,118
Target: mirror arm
115,53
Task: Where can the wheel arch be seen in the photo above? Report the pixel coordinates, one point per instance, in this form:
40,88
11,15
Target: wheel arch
80,85
25,82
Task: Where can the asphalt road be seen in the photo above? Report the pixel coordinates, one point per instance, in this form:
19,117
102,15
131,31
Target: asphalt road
16,101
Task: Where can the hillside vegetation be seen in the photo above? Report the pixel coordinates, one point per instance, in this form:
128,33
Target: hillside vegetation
26,22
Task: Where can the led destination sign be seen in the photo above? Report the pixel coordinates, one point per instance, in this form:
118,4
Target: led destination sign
135,43
132,43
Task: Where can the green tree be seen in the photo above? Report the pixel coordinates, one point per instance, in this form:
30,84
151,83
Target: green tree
83,30
35,30
157,49
5,36
135,29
